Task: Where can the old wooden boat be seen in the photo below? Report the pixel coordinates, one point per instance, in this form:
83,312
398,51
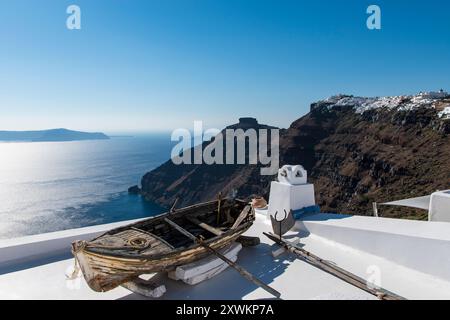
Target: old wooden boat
152,245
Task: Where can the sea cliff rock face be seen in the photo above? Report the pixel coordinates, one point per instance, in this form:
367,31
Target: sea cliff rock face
356,150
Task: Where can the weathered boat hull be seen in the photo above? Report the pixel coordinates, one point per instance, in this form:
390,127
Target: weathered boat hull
104,272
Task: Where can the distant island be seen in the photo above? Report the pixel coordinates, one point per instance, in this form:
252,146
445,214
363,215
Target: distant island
52,135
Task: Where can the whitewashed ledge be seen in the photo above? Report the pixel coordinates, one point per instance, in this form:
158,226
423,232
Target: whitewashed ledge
33,267
420,245
48,245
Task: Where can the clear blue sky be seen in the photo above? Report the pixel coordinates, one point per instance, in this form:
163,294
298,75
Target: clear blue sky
153,65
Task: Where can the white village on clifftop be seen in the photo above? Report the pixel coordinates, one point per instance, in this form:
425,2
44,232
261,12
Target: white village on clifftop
439,100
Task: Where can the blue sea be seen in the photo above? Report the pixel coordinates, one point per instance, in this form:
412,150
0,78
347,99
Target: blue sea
51,186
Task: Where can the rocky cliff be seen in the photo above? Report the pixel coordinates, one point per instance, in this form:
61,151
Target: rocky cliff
357,150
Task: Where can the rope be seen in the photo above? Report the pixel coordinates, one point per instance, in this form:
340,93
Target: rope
76,271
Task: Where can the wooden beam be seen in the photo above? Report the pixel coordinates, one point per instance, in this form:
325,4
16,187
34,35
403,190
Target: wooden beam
205,226
219,204
244,213
340,273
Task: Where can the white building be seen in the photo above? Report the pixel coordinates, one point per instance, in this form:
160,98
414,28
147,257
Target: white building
434,94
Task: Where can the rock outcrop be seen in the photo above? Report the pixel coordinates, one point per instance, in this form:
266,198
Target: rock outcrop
134,190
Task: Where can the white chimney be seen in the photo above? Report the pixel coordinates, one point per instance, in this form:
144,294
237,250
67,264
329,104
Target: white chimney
291,191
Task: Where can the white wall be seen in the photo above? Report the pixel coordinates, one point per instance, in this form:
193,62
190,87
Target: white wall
419,245
47,245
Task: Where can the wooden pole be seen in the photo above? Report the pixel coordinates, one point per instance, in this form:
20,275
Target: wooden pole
219,203
172,209
375,209
247,275
340,273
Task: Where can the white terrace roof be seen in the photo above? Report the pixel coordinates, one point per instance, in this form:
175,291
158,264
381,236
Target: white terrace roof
42,276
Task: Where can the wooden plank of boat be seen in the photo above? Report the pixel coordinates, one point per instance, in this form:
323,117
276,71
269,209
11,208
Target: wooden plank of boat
219,203
338,272
146,288
205,226
246,241
242,216
160,241
238,268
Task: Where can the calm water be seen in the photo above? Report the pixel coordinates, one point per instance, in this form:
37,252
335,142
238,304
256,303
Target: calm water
53,186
